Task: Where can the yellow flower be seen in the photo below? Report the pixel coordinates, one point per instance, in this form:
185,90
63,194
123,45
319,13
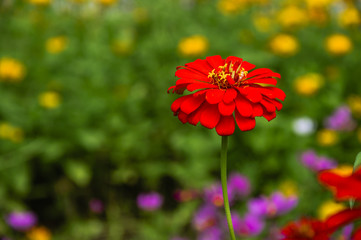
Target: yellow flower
107,2
39,233
122,47
56,45
284,45
318,15
329,208
292,16
11,133
40,2
343,170
49,99
193,46
11,70
318,3
327,137
308,84
231,6
354,103
262,23
349,17
338,44
289,188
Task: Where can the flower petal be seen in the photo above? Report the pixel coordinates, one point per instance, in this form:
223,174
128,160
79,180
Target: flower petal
257,110
245,123
195,86
244,107
261,71
200,65
226,109
192,103
210,116
215,61
230,95
341,218
269,115
186,73
269,106
226,126
253,94
182,117
270,81
247,66
214,96
195,116
178,102
276,103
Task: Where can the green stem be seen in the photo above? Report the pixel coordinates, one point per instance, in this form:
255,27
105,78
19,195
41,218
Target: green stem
224,185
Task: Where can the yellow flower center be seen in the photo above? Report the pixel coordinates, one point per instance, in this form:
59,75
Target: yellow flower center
227,76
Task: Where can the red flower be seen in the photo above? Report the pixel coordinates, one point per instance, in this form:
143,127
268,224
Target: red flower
306,229
225,91
345,187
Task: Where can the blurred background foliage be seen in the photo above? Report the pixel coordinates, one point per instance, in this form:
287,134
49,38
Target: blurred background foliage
85,115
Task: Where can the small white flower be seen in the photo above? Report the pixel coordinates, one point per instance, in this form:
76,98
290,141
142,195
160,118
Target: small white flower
303,126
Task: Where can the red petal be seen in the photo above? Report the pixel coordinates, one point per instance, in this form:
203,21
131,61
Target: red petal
182,117
230,95
186,73
278,93
276,103
192,103
170,89
215,61
357,234
187,81
269,115
226,126
247,66
253,94
195,116
244,107
210,116
257,110
200,65
195,86
233,59
226,109
270,81
244,123
214,96
269,106
177,103
265,75
342,218
260,71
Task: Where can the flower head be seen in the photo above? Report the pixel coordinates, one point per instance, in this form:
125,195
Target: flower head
226,92
292,16
327,137
308,84
338,44
96,205
39,233
329,208
56,45
205,217
149,201
193,46
303,126
49,99
284,45
40,2
341,120
250,225
21,221
305,229
11,70
350,17
238,185
316,163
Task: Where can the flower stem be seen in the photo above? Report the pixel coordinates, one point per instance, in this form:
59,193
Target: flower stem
224,185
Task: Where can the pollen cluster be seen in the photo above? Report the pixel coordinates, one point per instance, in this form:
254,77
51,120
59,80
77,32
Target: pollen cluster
226,76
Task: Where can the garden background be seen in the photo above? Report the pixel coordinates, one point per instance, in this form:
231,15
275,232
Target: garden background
86,130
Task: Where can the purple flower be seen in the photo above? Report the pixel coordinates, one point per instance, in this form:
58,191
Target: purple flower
341,120
251,225
238,185
316,163
96,206
277,204
346,233
149,201
205,217
213,233
214,195
21,221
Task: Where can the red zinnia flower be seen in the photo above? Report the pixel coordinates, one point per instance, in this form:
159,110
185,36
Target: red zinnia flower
345,187
225,87
305,229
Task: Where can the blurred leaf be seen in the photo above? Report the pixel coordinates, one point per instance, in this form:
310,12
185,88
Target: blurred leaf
78,172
